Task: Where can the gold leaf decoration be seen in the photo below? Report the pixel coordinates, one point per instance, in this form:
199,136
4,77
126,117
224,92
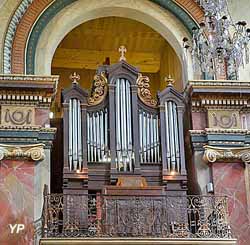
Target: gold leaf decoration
144,92
99,90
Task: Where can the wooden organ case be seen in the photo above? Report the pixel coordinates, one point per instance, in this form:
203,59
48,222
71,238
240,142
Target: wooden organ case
118,133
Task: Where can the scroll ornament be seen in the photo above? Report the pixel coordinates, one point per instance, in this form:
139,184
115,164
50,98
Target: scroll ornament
99,90
144,92
31,152
214,154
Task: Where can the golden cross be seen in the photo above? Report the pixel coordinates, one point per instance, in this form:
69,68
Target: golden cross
122,49
74,77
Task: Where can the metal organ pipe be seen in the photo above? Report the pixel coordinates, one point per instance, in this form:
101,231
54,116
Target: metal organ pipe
149,137
124,142
172,137
75,135
176,138
97,135
70,135
167,138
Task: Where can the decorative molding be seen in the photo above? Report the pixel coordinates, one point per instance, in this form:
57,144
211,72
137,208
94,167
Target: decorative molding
218,83
219,131
27,89
99,89
214,154
219,102
10,34
144,92
32,152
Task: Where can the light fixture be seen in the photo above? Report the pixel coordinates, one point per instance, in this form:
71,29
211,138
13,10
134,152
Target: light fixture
219,46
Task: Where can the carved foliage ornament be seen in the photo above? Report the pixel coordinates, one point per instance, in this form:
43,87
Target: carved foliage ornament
144,92
31,152
214,154
99,90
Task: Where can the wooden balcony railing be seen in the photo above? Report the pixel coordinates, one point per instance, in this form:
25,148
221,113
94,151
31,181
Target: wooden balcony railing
135,216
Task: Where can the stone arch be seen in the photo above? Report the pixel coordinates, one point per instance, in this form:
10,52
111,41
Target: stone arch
41,12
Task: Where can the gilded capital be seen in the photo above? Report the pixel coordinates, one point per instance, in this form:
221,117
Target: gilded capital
31,152
213,154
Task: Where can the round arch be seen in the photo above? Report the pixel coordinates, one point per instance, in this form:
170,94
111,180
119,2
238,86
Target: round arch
146,12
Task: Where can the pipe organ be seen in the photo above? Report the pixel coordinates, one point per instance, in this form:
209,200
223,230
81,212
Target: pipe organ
119,128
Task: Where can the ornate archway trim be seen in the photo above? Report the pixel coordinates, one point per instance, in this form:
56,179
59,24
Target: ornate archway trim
11,32
32,16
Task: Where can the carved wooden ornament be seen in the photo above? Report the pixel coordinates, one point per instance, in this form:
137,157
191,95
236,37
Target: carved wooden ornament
144,92
99,90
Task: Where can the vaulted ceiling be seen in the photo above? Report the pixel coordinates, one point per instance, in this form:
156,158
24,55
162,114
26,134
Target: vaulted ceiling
88,46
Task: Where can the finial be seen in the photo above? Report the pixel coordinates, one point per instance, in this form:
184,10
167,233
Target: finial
169,80
74,77
122,49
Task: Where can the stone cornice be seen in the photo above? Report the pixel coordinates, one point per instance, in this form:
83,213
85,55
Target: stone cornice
219,138
218,92
23,89
22,135
207,131
31,152
224,154
28,82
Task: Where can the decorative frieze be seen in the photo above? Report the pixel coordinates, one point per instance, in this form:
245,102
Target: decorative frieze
214,154
17,115
226,119
32,152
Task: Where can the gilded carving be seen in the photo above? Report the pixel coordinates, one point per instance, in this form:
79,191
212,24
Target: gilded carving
144,92
214,154
99,90
31,152
223,119
17,115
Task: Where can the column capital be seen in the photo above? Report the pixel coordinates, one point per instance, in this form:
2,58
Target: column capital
33,152
214,154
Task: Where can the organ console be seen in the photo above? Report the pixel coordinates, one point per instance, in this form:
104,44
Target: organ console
118,129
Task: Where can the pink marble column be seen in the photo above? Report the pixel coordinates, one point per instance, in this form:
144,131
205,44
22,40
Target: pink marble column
229,179
16,201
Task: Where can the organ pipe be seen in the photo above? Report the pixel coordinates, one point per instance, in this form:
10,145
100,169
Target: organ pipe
97,136
172,137
124,142
75,153
149,137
